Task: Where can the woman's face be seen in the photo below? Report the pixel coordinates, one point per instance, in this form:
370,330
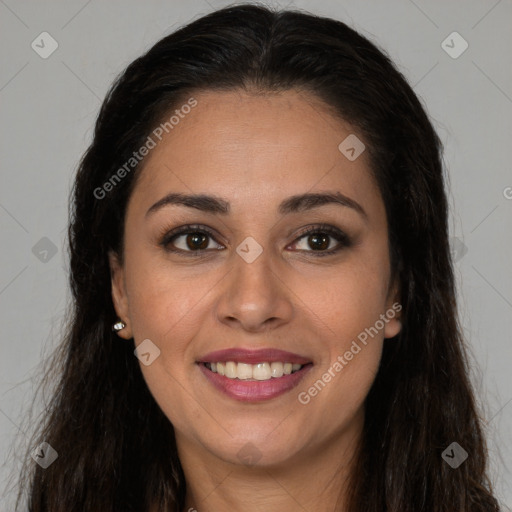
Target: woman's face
245,287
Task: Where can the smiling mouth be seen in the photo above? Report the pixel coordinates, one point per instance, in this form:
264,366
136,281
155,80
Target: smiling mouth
254,372
250,375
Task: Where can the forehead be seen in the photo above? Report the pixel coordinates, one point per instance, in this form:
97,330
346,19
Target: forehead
253,147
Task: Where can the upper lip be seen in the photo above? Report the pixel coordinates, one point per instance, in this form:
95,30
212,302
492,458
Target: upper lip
251,356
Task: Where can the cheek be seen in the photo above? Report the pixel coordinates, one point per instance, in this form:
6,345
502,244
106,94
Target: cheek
164,302
352,332
169,312
341,394
347,309
350,359
346,300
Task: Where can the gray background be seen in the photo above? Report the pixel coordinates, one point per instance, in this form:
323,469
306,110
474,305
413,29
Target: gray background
49,108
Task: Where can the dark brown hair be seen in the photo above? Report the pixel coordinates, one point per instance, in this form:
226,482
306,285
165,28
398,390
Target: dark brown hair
116,448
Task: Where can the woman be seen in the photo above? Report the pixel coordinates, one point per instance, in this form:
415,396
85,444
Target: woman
264,311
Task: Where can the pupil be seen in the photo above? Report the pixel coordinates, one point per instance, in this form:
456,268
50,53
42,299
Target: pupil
194,239
322,240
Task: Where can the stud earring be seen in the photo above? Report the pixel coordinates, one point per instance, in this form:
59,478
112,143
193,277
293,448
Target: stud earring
118,326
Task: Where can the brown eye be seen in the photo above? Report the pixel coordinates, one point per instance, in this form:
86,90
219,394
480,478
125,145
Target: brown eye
319,242
196,241
190,239
322,240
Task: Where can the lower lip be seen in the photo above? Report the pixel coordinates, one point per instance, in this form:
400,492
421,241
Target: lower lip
254,390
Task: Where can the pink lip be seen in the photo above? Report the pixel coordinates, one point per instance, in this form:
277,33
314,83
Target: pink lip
254,391
242,355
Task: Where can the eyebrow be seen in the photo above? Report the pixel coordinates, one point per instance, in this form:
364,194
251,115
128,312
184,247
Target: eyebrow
293,204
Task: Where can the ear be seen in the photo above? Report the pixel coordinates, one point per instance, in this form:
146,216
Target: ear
119,296
393,324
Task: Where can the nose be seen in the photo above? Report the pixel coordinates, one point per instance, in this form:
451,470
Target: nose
254,298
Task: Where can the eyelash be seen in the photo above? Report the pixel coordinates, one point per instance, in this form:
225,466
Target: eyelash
325,229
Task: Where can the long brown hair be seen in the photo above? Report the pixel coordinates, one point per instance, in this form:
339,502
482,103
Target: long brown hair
116,448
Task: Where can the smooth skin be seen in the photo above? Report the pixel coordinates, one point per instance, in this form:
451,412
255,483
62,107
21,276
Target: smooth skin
254,150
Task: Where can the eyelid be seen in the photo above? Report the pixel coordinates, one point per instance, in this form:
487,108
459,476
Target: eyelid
321,228
341,237
166,237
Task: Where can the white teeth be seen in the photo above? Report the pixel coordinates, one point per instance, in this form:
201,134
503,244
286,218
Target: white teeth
231,370
260,371
244,371
276,369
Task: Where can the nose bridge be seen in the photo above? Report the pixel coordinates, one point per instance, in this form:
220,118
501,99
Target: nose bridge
253,281
253,275
254,295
